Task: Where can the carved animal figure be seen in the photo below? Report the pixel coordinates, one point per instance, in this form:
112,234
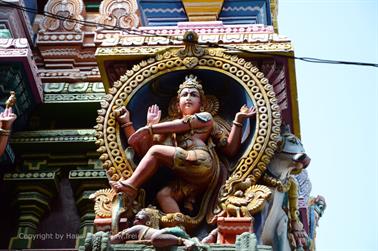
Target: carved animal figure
283,229
246,203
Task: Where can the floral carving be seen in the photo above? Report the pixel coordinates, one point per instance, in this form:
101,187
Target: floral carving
120,13
71,10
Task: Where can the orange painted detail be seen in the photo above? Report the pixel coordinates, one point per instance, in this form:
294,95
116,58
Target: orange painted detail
230,227
105,224
202,10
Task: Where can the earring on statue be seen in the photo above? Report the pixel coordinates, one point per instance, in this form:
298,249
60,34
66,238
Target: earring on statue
148,223
202,109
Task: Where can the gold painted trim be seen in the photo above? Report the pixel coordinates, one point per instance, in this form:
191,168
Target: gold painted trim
294,97
133,80
264,142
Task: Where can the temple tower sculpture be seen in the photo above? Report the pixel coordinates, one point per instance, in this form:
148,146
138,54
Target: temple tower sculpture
180,116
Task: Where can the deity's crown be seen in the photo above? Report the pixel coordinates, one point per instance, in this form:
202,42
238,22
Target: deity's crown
191,82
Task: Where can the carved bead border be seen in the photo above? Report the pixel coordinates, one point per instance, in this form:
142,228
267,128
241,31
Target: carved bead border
268,120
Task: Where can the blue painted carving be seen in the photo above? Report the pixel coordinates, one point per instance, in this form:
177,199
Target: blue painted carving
162,13
246,12
170,12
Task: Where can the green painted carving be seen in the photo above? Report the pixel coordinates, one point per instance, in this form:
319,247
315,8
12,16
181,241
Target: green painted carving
100,242
35,164
73,93
92,6
87,174
248,241
33,192
84,183
13,78
31,176
86,226
32,201
57,142
56,136
5,33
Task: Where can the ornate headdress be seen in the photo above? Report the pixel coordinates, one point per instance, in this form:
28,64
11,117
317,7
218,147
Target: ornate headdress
192,82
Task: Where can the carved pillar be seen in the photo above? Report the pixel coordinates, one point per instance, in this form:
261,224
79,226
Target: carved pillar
84,183
33,193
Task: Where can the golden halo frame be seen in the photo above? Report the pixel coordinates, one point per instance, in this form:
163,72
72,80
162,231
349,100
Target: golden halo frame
251,165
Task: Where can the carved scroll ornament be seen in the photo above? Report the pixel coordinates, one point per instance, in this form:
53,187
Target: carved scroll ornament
71,11
120,13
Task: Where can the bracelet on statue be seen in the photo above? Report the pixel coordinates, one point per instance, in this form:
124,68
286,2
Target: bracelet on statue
150,130
237,123
127,124
4,132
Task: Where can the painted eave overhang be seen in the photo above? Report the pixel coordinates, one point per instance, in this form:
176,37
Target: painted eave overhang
258,41
117,45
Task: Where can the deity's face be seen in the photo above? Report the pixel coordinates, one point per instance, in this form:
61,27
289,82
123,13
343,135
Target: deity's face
189,101
141,218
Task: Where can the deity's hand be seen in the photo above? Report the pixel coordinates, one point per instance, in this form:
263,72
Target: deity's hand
7,117
139,136
299,233
122,115
245,112
153,115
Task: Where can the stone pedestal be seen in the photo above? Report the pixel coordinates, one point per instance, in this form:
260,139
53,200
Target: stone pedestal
230,227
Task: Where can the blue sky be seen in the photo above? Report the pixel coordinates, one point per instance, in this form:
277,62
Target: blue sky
338,113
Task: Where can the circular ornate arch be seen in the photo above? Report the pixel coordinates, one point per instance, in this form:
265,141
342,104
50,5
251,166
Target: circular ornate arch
264,142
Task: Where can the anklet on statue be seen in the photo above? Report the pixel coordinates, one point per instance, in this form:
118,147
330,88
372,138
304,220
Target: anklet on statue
130,190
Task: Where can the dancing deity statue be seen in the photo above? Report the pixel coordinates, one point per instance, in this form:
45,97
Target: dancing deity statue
188,145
